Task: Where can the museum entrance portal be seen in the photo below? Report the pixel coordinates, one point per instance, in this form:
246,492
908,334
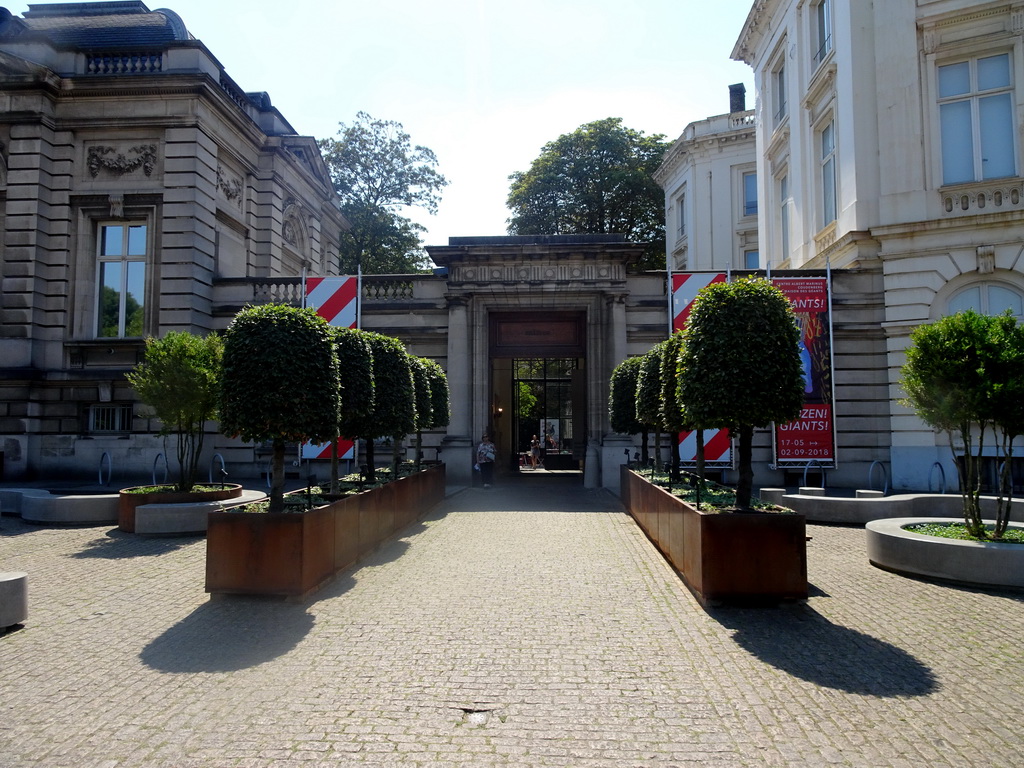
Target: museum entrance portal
538,375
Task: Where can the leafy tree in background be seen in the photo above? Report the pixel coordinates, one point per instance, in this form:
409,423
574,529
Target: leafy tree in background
377,172
740,365
178,379
279,382
964,375
595,180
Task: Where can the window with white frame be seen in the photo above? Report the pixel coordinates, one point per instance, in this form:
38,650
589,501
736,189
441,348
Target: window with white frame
976,119
987,298
121,270
751,259
681,215
750,194
827,160
822,32
780,106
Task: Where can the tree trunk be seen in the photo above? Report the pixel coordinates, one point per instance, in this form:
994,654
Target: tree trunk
334,467
277,477
700,455
644,449
745,483
371,476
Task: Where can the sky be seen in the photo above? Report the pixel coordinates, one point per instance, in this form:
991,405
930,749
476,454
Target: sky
483,83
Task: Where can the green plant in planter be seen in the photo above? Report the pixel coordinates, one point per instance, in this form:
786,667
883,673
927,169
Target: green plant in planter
355,388
964,375
739,367
648,396
178,379
280,382
432,408
394,410
622,401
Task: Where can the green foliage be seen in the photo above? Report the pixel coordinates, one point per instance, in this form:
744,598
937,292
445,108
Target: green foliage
529,405
355,379
596,180
440,408
648,387
622,397
394,412
421,393
377,172
280,382
964,375
740,365
178,379
672,415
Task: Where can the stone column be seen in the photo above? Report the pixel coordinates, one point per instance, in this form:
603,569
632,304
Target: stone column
610,451
457,445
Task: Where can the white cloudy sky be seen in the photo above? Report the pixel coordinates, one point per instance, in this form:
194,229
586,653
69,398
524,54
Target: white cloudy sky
484,83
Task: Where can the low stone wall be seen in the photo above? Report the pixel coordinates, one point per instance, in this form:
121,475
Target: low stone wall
73,509
892,547
185,518
858,511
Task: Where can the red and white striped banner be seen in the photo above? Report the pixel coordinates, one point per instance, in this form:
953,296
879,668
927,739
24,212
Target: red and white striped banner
334,299
685,287
346,450
717,442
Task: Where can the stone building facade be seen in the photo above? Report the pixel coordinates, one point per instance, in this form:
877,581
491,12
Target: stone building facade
141,191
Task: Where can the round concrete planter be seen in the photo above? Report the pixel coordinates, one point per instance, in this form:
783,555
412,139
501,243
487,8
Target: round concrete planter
127,501
892,547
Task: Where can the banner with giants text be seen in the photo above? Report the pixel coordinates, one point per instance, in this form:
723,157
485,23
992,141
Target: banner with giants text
717,442
336,300
812,435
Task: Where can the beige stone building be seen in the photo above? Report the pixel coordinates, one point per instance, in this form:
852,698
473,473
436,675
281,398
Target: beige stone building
141,191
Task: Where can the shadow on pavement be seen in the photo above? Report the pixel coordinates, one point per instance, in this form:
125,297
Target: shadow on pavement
803,643
232,634
116,545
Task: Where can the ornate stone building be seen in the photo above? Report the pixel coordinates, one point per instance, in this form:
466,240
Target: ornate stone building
141,191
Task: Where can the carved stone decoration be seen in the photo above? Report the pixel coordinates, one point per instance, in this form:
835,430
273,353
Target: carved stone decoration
231,188
109,159
116,206
986,259
288,232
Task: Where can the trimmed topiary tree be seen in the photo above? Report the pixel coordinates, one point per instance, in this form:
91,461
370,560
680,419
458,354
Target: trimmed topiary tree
394,409
179,379
355,387
622,401
740,365
280,382
964,375
648,396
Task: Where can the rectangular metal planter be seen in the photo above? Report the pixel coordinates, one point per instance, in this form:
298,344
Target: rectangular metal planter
294,554
723,557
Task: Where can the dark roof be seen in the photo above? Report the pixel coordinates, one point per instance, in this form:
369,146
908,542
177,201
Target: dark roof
597,239
92,26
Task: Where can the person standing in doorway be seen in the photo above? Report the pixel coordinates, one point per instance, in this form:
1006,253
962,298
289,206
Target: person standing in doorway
485,455
534,452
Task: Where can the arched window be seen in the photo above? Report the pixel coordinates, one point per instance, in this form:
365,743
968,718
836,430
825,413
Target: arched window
988,299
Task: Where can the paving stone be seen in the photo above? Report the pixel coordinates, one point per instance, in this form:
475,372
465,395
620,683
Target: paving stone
532,626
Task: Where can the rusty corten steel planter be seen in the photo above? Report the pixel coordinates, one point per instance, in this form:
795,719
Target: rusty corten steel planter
293,554
128,502
722,557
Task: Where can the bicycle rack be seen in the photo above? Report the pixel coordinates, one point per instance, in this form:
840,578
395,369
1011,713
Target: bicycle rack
885,476
942,477
157,461
223,469
110,468
821,469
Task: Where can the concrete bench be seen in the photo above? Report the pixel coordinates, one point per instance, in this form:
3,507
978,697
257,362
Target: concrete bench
183,518
84,509
10,499
13,598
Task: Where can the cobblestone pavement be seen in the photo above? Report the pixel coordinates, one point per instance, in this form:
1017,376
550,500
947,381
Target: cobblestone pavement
528,625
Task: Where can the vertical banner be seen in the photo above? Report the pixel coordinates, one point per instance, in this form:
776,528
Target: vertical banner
812,435
335,299
717,442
